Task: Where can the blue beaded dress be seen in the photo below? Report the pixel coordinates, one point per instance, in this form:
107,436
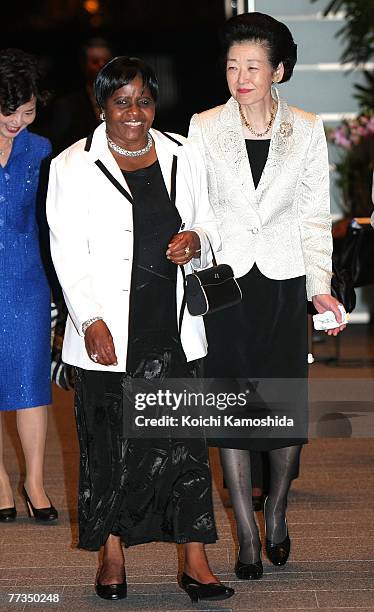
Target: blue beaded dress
25,360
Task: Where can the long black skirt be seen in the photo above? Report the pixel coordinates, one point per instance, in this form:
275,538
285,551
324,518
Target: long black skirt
141,490
262,337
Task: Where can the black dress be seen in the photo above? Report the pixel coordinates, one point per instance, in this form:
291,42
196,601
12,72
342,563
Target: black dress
265,335
142,489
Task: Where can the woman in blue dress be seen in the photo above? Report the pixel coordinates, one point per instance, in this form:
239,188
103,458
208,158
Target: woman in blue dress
24,291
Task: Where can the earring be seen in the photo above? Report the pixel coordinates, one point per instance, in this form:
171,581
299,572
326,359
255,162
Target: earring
102,116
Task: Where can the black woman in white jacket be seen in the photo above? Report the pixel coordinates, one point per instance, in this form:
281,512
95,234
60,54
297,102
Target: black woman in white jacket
127,207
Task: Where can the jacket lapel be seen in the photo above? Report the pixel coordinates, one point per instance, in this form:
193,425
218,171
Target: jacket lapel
99,151
231,147
165,150
280,143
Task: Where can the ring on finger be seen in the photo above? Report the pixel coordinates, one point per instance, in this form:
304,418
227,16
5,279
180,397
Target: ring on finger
187,250
94,357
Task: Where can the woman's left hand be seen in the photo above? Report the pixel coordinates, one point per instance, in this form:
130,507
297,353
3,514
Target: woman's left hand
325,302
183,247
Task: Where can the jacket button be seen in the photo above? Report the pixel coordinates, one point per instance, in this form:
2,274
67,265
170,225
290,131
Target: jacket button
254,230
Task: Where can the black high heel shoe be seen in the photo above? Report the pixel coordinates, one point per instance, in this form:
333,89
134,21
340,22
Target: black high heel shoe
278,553
43,515
213,591
249,571
8,515
111,591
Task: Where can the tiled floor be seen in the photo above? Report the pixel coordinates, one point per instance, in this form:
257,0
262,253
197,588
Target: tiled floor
331,521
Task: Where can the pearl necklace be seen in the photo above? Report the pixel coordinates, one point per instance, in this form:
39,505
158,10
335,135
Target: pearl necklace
127,153
250,128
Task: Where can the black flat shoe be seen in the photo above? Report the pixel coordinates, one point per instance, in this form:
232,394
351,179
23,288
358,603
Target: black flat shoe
278,553
8,515
214,591
249,571
43,515
112,591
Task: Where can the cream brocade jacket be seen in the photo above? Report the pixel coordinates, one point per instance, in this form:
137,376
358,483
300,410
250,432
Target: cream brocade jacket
284,226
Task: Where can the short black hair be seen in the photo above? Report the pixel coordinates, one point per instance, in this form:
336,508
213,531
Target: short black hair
119,72
263,29
20,78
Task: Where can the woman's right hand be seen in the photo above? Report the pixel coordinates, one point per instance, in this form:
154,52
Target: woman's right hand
99,344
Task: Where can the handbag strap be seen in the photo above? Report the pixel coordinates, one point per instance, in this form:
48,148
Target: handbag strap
211,248
214,261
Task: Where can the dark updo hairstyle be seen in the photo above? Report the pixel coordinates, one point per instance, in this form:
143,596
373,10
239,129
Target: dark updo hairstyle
19,80
263,29
119,72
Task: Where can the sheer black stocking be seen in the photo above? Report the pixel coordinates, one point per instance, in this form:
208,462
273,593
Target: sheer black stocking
284,467
236,467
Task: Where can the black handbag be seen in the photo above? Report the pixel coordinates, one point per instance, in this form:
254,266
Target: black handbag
352,263
342,286
210,290
357,253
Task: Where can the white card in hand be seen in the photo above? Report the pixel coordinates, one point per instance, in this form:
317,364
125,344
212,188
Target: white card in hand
327,320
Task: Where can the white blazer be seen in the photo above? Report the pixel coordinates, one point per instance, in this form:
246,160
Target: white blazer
284,226
91,233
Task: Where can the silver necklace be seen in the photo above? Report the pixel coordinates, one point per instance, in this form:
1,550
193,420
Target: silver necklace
127,153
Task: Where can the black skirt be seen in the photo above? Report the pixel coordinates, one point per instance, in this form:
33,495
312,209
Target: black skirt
141,490
265,336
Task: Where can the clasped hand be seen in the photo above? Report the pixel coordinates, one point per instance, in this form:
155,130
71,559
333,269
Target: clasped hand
183,247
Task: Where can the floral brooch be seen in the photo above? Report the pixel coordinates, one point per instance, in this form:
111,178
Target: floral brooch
285,129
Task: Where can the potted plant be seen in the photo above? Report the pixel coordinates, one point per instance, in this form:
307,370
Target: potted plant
355,137
355,167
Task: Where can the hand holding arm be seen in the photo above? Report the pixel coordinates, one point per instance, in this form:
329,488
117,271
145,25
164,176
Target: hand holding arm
183,247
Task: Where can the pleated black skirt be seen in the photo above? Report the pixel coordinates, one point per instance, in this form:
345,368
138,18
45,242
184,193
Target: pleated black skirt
265,336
